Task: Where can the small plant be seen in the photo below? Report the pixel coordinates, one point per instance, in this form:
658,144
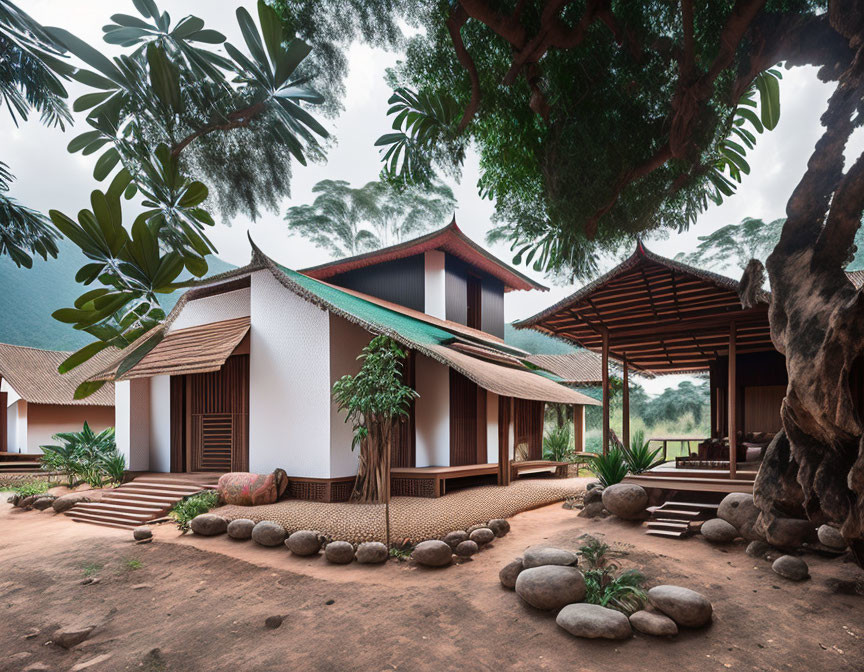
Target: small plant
609,468
132,564
623,593
91,568
31,488
558,445
401,554
86,457
194,505
639,457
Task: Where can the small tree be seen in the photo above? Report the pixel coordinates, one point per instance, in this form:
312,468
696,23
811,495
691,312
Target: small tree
375,401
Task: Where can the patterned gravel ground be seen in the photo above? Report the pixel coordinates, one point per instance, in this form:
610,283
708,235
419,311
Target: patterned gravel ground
412,518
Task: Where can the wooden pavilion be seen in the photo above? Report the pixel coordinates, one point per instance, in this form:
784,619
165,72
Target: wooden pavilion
655,315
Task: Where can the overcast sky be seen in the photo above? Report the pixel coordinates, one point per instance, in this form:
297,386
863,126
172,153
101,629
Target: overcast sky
49,177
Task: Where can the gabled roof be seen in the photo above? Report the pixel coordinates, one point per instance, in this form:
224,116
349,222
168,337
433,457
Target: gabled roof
662,315
33,374
582,367
450,239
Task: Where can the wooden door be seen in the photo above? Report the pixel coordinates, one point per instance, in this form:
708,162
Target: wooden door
528,428
463,420
218,418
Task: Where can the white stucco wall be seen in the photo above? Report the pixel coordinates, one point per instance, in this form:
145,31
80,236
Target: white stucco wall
289,382
491,427
160,423
16,426
432,413
435,297
346,342
132,422
215,308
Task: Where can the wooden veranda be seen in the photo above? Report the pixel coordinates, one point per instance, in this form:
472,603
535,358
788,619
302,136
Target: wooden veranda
656,316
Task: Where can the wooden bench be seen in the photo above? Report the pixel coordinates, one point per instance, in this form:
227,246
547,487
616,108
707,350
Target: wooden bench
432,481
559,469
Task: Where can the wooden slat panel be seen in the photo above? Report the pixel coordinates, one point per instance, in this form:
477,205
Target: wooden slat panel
463,420
404,449
178,423
505,405
528,426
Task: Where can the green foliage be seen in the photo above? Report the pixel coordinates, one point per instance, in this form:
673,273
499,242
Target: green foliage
558,444
401,554
609,468
31,488
91,568
86,456
185,510
166,116
674,402
640,457
347,221
623,592
132,564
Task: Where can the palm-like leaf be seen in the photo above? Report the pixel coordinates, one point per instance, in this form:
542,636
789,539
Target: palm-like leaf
609,468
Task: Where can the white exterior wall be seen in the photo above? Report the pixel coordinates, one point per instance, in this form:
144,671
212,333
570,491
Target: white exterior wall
16,426
346,342
432,413
435,297
491,427
289,382
215,308
132,422
160,423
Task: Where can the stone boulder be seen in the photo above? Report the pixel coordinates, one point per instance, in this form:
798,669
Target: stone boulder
209,525
371,553
550,586
791,567
339,552
44,502
594,622
538,556
594,510
830,536
684,606
241,528
27,502
467,548
304,543
454,538
790,533
592,495
761,550
739,510
268,533
66,502
482,536
141,533
510,572
432,553
72,636
718,531
625,500
499,526
652,623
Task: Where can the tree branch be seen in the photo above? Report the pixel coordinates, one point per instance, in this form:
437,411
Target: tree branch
236,119
455,22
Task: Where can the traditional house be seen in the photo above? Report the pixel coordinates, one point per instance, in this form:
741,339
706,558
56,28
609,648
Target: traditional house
37,402
239,377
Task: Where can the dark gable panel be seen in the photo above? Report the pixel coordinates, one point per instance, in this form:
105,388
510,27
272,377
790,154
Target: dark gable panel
401,281
456,290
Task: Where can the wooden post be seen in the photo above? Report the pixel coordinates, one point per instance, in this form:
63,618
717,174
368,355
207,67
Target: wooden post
625,398
4,430
505,418
605,365
579,427
731,395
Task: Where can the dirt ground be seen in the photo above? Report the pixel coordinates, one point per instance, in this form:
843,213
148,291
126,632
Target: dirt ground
185,604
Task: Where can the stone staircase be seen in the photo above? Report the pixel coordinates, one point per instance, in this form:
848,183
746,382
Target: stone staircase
141,500
20,463
672,519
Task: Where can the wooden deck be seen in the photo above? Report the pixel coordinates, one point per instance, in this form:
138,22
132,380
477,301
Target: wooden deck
432,481
694,480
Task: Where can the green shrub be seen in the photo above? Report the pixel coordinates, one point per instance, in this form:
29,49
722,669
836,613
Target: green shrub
558,444
639,457
623,592
610,468
31,488
86,457
201,502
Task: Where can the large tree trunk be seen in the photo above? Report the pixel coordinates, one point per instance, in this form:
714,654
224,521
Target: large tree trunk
372,465
815,467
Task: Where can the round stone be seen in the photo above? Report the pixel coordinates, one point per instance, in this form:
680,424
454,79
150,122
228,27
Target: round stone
44,502
550,586
593,495
594,622
268,533
759,549
241,528
304,542
432,553
482,536
66,502
830,536
454,538
652,623
718,531
371,553
538,556
625,500
790,533
339,552
684,606
209,525
467,548
739,510
593,510
510,572
791,567
141,533
499,526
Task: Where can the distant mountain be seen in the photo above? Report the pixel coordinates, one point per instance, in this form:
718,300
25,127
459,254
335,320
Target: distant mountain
535,342
29,296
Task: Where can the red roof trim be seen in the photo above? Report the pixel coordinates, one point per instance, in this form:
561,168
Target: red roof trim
450,239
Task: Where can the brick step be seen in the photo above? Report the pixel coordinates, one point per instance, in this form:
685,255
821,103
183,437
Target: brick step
157,491
141,500
137,518
103,519
20,464
118,506
193,482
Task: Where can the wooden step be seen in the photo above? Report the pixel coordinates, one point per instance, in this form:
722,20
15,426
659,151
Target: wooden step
670,527
705,506
97,518
105,523
685,514
137,517
118,506
190,482
665,533
140,500
157,491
